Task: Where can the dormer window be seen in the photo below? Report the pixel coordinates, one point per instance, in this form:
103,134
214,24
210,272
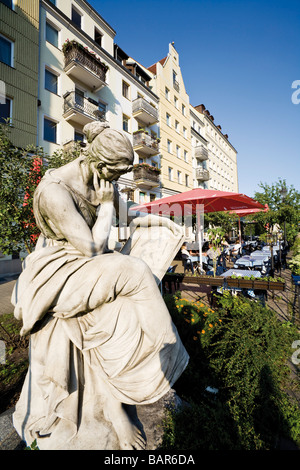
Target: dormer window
76,17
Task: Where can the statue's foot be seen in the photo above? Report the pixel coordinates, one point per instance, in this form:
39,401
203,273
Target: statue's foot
129,434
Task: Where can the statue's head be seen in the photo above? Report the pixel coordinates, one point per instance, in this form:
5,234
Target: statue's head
108,150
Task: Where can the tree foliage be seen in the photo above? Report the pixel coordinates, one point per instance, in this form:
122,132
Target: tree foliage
21,171
281,210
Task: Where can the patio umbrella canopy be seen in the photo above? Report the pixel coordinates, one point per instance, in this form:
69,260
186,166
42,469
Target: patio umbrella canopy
196,202
244,213
213,201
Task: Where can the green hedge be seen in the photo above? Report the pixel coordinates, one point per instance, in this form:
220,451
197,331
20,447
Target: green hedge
240,350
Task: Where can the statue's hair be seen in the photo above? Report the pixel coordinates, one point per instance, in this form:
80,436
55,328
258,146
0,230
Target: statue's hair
108,146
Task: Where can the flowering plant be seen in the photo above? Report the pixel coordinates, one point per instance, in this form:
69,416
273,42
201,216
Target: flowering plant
146,166
69,45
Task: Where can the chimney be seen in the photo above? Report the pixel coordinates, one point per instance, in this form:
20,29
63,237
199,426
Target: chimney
219,127
226,136
200,108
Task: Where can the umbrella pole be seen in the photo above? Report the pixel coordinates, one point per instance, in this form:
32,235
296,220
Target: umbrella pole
240,232
199,234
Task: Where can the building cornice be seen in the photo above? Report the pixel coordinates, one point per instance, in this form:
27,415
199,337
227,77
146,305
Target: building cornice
52,8
199,135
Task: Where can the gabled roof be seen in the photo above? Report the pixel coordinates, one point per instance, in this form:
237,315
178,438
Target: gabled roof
153,67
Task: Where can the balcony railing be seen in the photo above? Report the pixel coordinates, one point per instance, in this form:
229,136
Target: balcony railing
202,174
145,177
176,85
201,153
145,143
144,111
80,109
80,64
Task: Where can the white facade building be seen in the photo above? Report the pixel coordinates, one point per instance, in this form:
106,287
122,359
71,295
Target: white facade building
85,76
215,158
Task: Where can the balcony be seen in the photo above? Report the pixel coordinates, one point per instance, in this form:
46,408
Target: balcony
81,110
145,176
145,144
202,174
82,65
144,112
176,86
200,153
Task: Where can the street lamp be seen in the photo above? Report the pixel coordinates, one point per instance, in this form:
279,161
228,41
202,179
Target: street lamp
283,193
271,241
279,238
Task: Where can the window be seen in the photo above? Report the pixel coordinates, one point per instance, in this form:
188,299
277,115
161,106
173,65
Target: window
98,37
170,173
167,93
176,102
76,17
102,108
51,34
8,3
176,126
179,176
183,109
185,154
5,110
169,144
51,80
184,133
187,180
53,1
152,197
78,136
125,123
125,90
168,119
178,153
141,197
50,130
6,51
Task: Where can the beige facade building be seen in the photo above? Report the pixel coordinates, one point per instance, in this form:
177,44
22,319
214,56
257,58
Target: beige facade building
19,49
174,124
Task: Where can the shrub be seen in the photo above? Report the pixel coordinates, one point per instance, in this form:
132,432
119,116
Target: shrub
241,349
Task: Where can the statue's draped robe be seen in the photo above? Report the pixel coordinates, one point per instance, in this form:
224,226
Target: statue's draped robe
90,320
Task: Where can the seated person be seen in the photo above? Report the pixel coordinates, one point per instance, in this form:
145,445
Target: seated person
236,249
186,257
213,253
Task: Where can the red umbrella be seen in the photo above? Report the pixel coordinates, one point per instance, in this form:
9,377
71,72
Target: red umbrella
212,201
190,202
244,213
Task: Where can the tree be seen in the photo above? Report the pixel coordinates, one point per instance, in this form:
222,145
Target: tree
21,171
287,210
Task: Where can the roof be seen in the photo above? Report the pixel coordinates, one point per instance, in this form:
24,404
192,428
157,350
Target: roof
152,68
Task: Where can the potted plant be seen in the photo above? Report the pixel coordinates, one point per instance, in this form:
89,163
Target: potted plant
147,167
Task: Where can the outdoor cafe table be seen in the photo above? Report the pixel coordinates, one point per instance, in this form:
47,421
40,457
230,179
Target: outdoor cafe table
239,272
261,254
266,249
251,261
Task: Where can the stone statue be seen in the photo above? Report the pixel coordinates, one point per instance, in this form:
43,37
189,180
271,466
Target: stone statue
101,338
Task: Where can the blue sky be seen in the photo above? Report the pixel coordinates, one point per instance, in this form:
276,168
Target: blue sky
239,58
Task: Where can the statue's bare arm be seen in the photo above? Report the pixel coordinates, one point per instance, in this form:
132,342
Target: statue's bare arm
59,208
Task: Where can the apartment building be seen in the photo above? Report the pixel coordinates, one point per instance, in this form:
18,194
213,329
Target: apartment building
215,158
85,76
174,124
19,47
